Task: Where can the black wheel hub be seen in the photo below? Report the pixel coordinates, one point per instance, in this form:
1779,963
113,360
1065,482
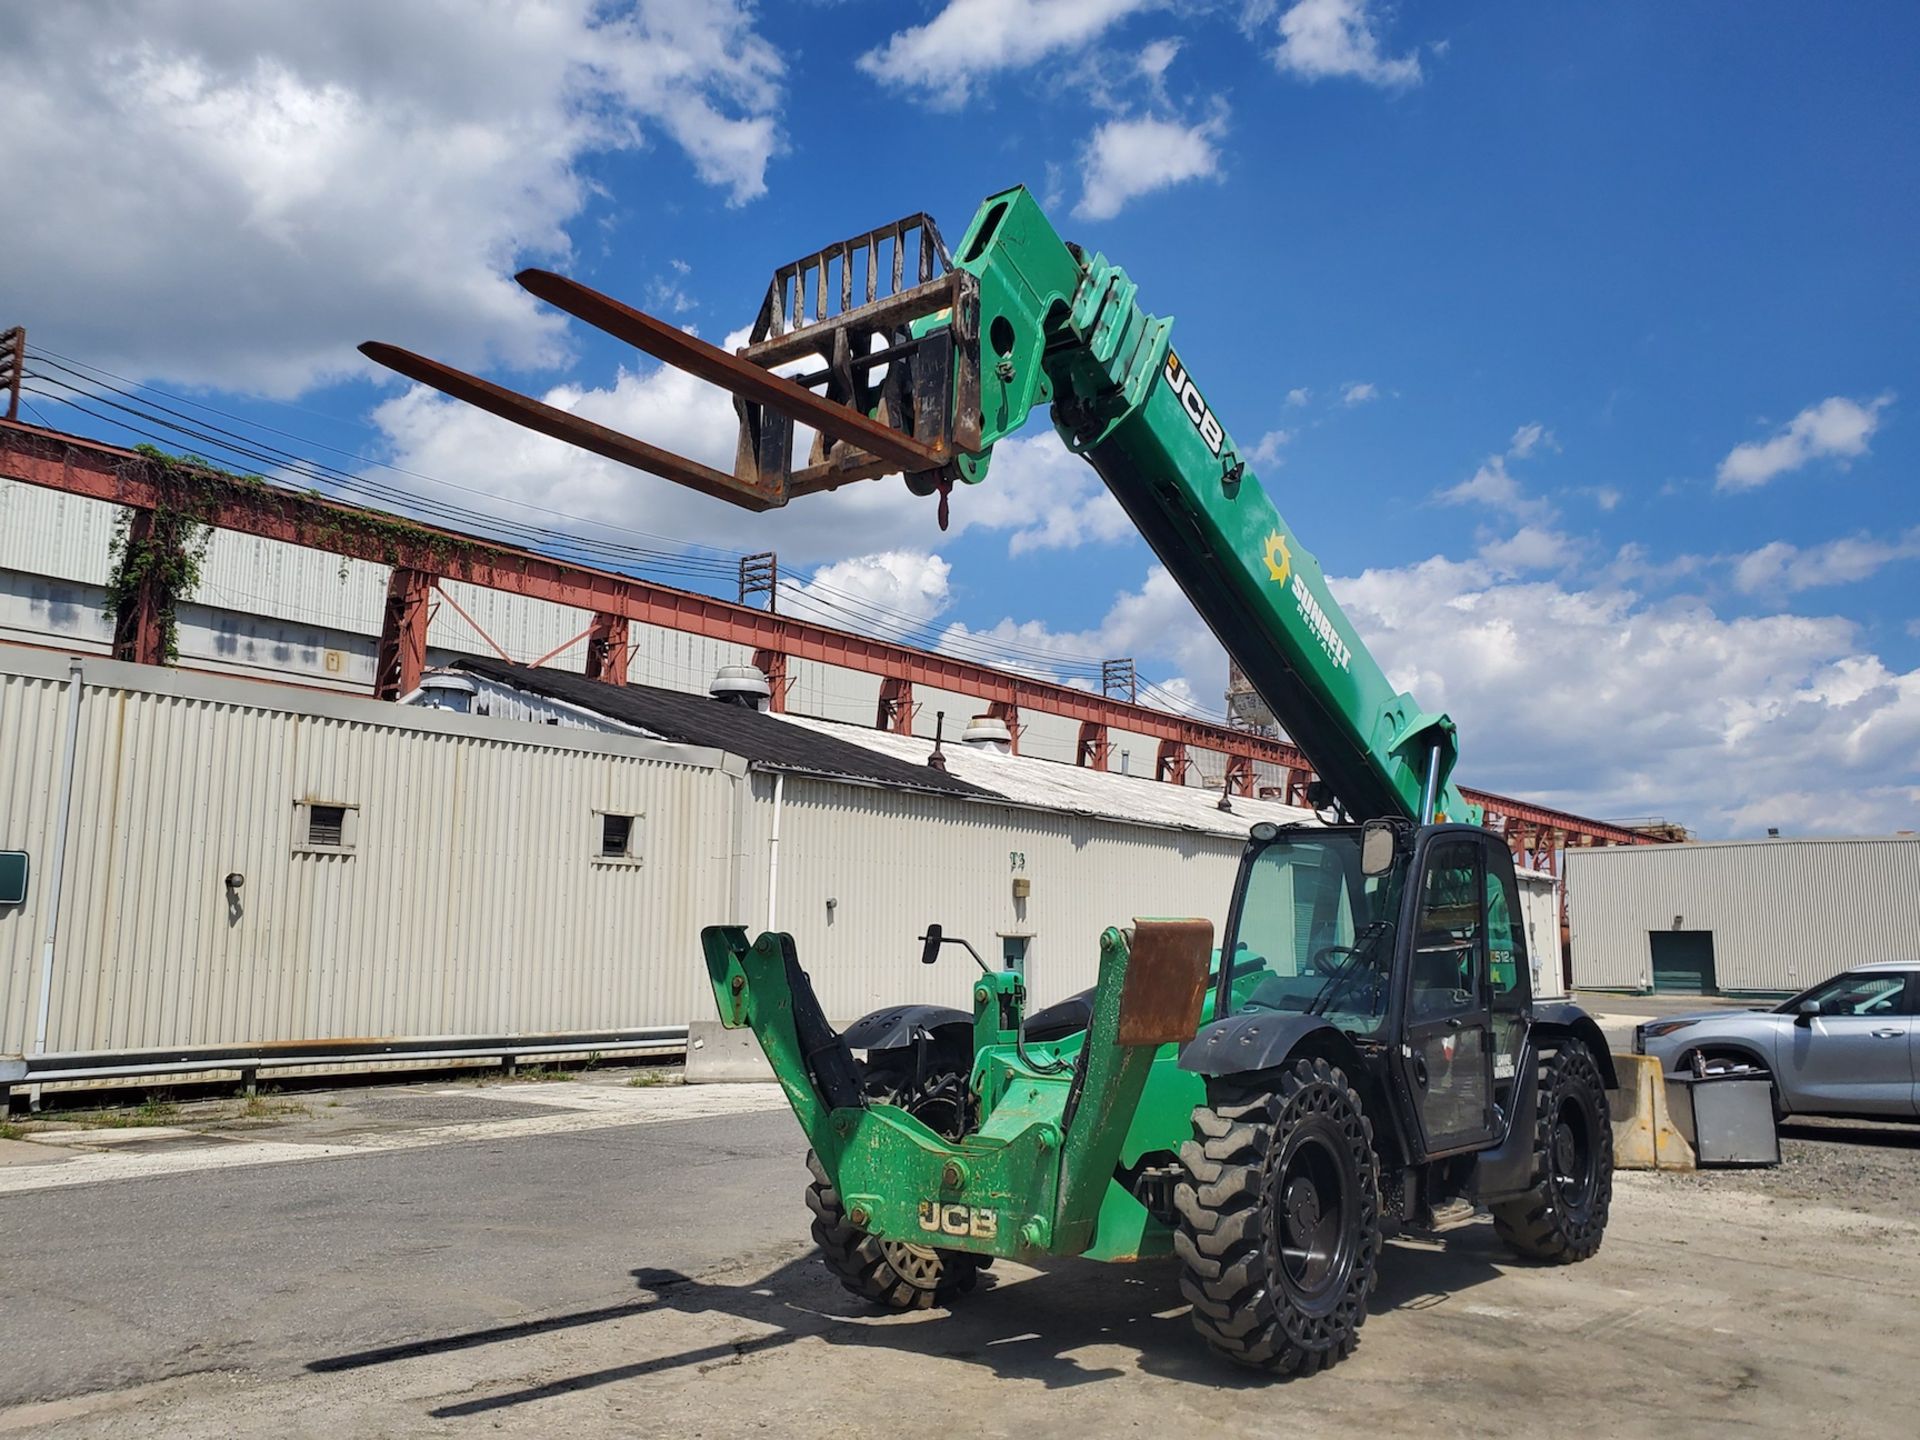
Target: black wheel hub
1571,1155
1314,1204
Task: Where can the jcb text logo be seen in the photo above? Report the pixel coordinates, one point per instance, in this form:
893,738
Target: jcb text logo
1198,411
977,1221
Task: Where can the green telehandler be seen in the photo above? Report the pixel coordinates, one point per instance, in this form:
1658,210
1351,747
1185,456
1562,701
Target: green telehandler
1361,1054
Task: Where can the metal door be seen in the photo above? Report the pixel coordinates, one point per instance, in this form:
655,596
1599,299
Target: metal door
1682,962
1856,1056
1446,1051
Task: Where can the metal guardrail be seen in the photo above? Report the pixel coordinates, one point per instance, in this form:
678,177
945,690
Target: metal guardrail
248,1061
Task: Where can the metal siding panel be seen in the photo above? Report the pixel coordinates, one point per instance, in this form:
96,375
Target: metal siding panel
32,719
894,861
470,903
1784,913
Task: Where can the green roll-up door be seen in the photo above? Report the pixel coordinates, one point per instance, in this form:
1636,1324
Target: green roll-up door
1682,962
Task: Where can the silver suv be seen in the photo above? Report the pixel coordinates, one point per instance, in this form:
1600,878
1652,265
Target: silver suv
1848,1046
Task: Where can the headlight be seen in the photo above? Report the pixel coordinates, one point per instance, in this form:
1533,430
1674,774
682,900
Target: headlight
1665,1027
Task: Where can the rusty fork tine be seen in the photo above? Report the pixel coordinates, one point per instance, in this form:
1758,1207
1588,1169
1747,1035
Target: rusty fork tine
571,429
731,372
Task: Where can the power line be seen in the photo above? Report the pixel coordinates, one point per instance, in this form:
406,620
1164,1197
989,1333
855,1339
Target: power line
164,424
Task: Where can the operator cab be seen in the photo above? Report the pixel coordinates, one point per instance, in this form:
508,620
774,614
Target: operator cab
1407,941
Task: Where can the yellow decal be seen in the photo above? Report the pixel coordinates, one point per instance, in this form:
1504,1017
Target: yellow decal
1279,558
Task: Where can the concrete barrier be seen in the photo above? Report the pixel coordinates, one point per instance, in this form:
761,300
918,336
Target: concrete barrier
1644,1135
717,1055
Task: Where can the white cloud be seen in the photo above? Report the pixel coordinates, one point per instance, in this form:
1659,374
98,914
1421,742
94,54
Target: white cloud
1529,438
1156,625
1322,39
1496,487
1359,393
263,186
1531,547
1035,492
1607,704
1299,396
1786,568
1606,497
1268,452
1837,427
1047,498
880,593
1126,159
944,59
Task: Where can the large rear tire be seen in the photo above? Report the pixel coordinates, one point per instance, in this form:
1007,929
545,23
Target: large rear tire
1279,1219
894,1274
1564,1216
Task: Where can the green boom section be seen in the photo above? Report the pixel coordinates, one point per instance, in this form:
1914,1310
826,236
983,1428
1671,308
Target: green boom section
1062,328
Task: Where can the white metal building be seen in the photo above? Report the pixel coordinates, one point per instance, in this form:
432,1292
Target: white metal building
1763,916
253,864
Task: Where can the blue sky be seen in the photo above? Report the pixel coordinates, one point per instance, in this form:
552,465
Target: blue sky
1579,341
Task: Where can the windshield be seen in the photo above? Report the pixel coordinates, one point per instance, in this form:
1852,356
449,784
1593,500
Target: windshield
1313,934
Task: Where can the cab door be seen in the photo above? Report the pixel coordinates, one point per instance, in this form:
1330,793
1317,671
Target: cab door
1444,1060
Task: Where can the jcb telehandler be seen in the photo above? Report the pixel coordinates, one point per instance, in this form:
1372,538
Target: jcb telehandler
1361,1054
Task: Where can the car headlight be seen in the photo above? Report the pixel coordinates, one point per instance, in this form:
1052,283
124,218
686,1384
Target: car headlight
1665,1027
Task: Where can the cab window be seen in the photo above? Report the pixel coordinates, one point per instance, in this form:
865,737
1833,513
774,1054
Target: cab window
1301,940
1449,936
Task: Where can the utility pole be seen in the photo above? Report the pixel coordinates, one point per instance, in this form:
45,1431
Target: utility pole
760,574
1118,682
13,360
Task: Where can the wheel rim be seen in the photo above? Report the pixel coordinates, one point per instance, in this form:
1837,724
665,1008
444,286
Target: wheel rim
1572,1155
918,1265
1313,1201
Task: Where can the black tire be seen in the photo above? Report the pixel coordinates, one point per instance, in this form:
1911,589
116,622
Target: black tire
1564,1216
893,1274
1278,1277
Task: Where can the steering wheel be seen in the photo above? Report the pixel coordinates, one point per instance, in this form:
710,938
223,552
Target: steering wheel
1320,962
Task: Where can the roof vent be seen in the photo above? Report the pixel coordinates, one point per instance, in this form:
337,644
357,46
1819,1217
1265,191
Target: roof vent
989,732
442,690
741,685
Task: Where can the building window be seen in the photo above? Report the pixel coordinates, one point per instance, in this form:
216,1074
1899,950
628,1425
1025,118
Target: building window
325,827
618,838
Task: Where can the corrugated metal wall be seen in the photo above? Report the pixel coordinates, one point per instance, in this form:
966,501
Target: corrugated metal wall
473,901
1784,913
893,861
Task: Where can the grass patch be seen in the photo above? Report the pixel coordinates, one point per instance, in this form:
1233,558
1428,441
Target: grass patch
154,1110
11,1132
259,1107
543,1074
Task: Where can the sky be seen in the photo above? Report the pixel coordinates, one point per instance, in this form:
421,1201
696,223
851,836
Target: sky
1580,341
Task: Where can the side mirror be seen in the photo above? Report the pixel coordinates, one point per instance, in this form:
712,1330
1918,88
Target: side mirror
1808,1009
930,945
1376,848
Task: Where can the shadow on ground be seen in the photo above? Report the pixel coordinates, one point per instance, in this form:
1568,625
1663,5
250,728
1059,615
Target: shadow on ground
1031,1329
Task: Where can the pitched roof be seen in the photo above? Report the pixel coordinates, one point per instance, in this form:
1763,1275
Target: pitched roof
760,740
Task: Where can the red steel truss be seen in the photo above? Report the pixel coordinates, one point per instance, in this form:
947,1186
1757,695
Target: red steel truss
422,555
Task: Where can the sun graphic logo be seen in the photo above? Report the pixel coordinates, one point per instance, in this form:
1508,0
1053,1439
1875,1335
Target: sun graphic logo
1279,558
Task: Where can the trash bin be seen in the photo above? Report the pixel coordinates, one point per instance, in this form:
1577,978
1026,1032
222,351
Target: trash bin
1727,1118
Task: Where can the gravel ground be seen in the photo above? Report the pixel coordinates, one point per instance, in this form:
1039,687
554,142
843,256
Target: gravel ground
1856,1164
